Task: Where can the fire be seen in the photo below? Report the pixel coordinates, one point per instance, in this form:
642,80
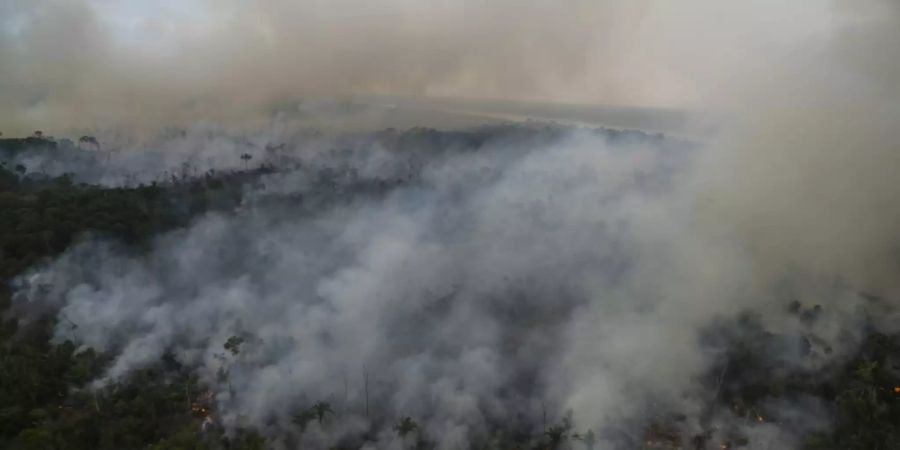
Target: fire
200,409
897,389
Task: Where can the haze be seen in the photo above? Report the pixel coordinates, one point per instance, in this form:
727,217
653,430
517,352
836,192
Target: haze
669,224
98,63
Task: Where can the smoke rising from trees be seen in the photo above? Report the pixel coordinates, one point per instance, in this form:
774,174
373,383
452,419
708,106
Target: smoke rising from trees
530,277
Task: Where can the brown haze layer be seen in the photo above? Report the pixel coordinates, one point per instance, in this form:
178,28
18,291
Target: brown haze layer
98,63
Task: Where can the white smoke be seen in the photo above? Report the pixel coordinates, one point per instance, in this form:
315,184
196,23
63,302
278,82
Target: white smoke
457,292
500,285
575,273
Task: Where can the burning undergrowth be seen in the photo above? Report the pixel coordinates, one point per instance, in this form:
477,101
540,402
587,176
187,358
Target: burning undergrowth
511,286
514,285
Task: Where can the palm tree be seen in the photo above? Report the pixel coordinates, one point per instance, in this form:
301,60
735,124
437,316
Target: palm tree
320,409
246,158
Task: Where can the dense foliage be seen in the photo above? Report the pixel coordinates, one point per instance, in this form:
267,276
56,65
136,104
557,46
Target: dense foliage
47,401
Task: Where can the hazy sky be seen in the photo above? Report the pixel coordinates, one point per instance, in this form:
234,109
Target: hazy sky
83,63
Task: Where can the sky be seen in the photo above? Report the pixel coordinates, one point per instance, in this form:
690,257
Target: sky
72,64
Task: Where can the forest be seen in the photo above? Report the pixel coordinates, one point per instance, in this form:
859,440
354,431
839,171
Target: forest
449,225
49,398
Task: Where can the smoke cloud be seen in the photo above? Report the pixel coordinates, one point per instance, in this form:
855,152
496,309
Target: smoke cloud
97,63
458,294
564,272
89,64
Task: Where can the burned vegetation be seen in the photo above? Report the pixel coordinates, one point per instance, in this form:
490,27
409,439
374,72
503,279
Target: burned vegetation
786,376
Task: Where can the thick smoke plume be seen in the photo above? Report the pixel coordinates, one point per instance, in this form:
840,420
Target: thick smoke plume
100,64
529,277
91,63
465,294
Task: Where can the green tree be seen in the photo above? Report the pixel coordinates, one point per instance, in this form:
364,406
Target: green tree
320,409
233,344
405,426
